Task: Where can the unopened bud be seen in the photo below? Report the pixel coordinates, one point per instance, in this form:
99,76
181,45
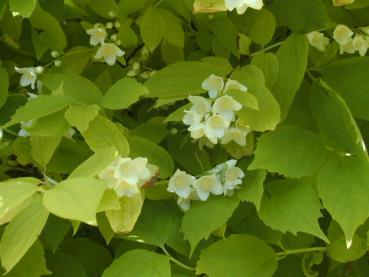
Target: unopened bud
54,54
109,25
131,73
117,24
112,14
39,69
58,63
113,37
173,131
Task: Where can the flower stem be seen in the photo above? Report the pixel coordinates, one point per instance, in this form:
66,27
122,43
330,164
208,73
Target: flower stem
174,260
267,48
285,253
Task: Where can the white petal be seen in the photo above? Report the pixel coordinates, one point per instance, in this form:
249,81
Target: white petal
202,194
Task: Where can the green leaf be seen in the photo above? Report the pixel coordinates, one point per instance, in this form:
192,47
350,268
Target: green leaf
53,125
152,28
268,114
292,205
80,116
93,256
188,155
290,151
238,256
301,15
123,220
354,91
4,85
43,148
260,20
75,198
335,120
203,218
269,64
345,202
130,264
178,81
21,233
32,264
81,89
173,32
75,60
52,35
156,222
123,94
337,248
61,265
55,231
95,163
292,56
24,8
103,8
109,201
141,147
126,7
14,193
39,107
247,100
252,189
102,133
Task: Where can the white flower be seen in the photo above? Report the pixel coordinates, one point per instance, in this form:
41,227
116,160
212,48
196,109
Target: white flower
237,135
233,176
124,174
318,40
206,184
226,106
232,84
213,85
98,35
197,130
242,5
184,203
342,34
29,76
132,171
23,131
110,52
200,105
126,189
191,117
360,44
215,127
181,183
347,47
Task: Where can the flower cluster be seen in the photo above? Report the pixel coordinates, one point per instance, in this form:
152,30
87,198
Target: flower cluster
350,41
242,5
223,179
126,176
107,37
212,120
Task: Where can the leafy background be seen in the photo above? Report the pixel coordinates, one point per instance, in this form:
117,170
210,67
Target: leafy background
303,206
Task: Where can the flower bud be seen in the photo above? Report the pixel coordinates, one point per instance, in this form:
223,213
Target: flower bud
113,37
39,69
112,14
118,42
54,54
173,131
109,25
131,73
136,66
58,63
117,24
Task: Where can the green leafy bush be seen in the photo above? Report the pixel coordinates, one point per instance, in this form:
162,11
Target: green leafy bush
184,138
